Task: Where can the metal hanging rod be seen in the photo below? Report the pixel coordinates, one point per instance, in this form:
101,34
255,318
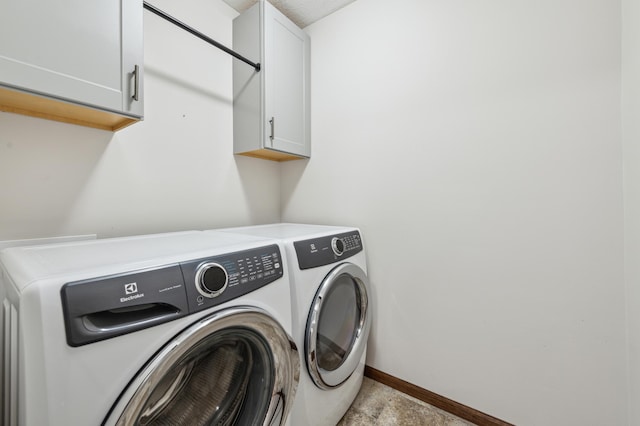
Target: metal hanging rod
198,34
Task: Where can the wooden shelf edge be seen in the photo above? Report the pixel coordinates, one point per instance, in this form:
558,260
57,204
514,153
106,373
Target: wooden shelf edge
23,103
267,154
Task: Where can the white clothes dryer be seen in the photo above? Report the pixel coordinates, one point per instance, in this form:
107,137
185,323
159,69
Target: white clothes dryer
186,328
331,315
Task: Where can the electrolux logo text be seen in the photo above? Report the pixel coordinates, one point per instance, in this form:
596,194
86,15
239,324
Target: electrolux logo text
131,289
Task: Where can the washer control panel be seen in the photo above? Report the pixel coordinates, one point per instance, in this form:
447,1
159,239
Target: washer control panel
325,250
105,307
211,279
216,280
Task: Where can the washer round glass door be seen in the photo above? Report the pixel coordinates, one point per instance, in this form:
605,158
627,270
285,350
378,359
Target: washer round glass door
235,367
338,326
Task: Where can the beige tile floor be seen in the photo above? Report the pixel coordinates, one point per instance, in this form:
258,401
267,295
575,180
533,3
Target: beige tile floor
380,405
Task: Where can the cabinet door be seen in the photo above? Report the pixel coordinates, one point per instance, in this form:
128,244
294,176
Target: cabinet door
286,67
75,50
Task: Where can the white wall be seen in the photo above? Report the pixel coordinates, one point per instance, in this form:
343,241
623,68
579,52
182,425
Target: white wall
174,171
631,149
477,145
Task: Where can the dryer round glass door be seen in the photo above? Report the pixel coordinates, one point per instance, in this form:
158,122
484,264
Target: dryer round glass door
338,326
235,367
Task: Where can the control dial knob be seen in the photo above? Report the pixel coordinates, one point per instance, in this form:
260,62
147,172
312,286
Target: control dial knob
211,280
337,245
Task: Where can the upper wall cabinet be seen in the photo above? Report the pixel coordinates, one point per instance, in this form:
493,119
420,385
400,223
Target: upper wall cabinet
271,114
75,61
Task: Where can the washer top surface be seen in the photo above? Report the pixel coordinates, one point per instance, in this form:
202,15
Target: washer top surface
287,231
27,264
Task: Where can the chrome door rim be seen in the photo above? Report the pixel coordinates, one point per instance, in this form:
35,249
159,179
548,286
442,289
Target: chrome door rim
286,362
331,379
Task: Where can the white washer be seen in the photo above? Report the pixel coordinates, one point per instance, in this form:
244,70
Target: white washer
147,329
331,315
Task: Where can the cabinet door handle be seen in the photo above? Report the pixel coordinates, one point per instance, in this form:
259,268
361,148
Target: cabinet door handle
273,125
136,82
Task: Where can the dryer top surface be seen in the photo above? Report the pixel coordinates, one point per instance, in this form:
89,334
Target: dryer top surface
288,231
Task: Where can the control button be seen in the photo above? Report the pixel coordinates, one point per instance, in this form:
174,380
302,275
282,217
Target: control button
211,280
337,245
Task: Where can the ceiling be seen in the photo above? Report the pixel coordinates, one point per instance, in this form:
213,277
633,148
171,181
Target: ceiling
302,12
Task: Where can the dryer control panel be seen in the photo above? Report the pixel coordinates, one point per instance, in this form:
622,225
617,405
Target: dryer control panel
329,249
105,307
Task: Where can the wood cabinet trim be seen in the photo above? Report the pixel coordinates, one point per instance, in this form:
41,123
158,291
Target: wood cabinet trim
51,109
267,154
